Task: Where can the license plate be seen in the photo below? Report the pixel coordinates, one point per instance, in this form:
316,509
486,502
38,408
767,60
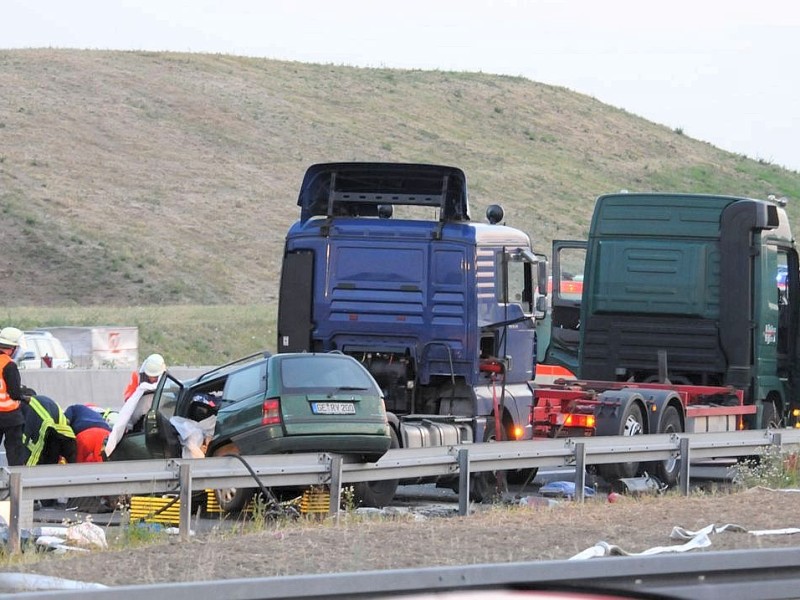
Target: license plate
333,408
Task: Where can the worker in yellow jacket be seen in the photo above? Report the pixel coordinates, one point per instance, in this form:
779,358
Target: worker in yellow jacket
48,437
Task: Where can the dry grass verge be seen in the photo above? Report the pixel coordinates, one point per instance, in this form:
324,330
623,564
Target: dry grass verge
490,535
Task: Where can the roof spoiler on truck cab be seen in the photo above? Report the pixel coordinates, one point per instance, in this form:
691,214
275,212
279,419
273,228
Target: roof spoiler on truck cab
367,189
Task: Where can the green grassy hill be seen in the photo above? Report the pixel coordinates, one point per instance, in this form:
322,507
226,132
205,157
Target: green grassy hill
139,178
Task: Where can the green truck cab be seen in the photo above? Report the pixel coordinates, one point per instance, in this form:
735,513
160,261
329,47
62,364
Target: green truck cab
700,289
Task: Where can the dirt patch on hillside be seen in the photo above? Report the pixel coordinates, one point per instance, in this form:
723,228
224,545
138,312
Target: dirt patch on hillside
489,535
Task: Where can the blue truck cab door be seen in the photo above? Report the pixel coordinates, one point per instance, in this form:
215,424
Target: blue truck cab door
520,304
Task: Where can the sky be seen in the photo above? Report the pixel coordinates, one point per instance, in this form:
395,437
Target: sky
722,71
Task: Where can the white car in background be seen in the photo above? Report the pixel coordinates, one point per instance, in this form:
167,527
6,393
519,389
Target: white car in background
41,350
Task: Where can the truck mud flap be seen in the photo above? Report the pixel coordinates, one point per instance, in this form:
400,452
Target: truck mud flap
613,408
657,401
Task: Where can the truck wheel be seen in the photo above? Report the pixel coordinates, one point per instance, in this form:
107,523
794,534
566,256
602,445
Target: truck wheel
770,419
769,416
483,486
668,470
232,500
377,494
522,476
632,423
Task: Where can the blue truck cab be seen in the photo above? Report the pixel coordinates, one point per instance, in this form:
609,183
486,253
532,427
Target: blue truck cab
386,265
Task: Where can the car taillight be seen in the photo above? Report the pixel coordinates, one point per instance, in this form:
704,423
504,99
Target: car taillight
271,412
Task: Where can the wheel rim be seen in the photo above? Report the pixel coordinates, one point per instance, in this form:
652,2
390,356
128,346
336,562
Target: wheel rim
772,421
226,495
671,463
632,426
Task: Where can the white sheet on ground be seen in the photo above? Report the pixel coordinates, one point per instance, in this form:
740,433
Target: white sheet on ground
601,549
87,533
27,582
695,539
679,533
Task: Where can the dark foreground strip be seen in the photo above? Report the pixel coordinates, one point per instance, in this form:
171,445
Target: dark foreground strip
772,574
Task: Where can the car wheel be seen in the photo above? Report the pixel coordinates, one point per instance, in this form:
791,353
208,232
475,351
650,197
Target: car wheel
232,500
377,494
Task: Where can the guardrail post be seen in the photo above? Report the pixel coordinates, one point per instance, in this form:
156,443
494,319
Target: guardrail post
580,471
463,481
185,515
776,439
15,485
335,486
684,469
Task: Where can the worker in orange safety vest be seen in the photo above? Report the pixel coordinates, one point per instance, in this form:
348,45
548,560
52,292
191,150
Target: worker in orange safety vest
12,419
144,381
151,370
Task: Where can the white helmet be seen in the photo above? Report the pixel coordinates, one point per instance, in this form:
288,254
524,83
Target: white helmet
154,365
9,337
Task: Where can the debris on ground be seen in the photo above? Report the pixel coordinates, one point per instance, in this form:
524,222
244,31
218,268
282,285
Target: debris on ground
564,489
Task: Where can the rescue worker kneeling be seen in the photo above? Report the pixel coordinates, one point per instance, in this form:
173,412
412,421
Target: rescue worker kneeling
91,431
47,436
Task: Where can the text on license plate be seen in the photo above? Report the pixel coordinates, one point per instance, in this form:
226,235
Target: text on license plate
333,408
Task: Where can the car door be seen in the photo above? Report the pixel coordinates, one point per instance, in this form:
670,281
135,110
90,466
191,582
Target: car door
161,439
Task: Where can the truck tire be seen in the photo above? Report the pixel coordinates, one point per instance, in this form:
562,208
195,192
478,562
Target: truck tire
632,423
232,500
484,486
770,417
668,470
377,494
522,477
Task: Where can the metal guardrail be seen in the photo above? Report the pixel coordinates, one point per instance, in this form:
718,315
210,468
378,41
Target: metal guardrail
25,484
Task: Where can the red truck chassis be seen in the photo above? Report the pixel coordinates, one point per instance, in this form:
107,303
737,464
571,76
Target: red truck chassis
572,408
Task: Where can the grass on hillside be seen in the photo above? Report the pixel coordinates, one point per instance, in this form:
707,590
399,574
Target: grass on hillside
157,178
185,335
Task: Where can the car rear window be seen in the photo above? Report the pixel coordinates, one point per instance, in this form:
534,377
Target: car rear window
324,372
